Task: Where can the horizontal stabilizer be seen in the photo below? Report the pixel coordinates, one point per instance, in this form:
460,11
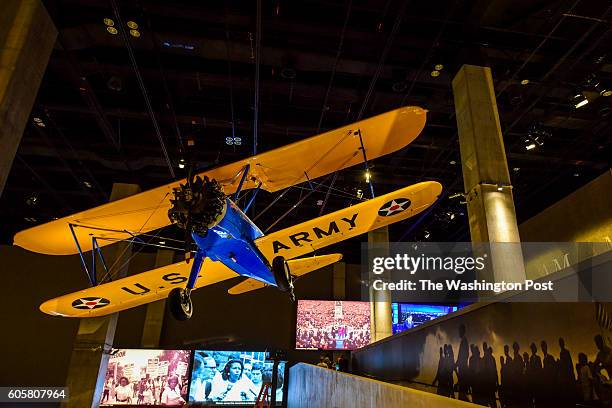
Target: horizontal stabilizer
297,267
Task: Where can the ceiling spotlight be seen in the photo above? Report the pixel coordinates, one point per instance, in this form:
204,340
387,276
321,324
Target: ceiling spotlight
112,30
453,162
32,200
451,215
579,100
426,234
605,92
438,67
319,202
576,174
524,82
87,184
530,146
435,73
30,219
516,169
229,141
108,22
132,25
181,163
37,120
162,242
135,33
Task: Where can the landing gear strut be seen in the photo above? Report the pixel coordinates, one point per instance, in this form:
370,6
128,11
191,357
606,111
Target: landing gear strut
284,280
179,304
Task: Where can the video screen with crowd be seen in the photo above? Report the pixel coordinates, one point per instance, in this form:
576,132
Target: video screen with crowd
146,377
407,315
232,377
332,325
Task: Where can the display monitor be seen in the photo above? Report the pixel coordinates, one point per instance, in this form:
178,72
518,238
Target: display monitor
232,377
407,315
146,377
332,325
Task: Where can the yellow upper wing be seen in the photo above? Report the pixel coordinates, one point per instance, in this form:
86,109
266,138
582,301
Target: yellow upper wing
275,169
349,222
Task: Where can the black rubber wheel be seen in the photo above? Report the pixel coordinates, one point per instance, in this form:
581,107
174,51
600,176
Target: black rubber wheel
280,270
179,304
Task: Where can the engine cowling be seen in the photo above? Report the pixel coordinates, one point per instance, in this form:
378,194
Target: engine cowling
198,206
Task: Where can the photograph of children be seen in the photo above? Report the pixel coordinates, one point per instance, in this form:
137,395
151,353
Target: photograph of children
332,325
232,376
146,377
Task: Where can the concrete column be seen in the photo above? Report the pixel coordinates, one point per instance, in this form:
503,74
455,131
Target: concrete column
154,318
95,336
27,35
380,301
486,179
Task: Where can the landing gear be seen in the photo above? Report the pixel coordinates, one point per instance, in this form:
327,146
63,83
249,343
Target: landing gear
283,278
179,304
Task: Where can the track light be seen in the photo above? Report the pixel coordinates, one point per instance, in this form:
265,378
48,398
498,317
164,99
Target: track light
181,163
530,146
524,82
233,140
579,100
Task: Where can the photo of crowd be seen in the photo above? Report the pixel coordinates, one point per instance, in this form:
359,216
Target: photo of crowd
232,376
146,377
332,325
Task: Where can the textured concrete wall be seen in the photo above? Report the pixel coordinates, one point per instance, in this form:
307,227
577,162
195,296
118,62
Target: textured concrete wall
312,387
583,216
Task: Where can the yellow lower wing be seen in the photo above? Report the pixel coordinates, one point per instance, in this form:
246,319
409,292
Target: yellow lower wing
297,268
275,169
134,290
358,219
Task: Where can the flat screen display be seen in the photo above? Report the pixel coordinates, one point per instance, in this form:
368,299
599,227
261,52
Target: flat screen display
232,377
146,377
407,315
332,325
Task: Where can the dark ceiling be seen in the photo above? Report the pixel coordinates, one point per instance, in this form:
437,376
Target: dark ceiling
321,64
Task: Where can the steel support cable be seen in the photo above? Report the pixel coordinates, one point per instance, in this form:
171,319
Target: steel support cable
335,66
143,88
257,64
546,38
373,81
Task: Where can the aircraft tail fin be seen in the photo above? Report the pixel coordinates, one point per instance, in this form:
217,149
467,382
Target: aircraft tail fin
297,268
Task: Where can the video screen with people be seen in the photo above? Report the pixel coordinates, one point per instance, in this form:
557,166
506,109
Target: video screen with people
233,377
332,325
146,377
407,315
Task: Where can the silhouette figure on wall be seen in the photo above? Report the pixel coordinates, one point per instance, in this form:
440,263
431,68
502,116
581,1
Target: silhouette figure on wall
527,380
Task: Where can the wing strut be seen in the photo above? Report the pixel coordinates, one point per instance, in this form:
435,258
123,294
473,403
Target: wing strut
245,172
95,248
365,162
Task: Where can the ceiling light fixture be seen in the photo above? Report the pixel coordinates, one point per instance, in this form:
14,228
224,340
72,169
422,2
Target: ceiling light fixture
131,24
435,73
579,100
438,67
135,33
112,30
524,82
108,22
181,163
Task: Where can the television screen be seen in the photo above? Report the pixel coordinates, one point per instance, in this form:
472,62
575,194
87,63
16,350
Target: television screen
406,315
232,377
332,325
146,377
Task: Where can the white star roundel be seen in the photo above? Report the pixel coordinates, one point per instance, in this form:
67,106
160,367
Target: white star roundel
90,303
394,206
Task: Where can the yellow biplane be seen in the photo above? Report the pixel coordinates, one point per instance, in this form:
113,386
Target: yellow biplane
228,242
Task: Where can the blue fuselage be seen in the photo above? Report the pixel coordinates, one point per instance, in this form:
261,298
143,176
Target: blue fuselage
231,243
